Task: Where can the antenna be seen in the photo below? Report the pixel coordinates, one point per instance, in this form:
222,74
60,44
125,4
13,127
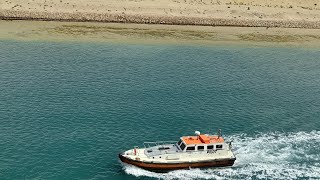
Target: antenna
219,133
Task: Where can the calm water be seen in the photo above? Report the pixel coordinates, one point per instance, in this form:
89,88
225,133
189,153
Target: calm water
67,109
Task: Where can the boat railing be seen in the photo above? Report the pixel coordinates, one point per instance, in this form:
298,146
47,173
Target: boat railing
157,143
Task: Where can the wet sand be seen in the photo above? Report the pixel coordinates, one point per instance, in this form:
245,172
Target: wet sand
250,22
157,34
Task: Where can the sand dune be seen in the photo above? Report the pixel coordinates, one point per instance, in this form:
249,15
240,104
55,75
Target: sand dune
272,13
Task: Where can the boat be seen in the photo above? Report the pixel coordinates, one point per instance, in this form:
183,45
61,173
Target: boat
198,151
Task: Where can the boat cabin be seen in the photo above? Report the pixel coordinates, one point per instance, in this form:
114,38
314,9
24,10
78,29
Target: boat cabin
201,142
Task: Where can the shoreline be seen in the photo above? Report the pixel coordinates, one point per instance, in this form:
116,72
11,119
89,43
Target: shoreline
153,19
158,34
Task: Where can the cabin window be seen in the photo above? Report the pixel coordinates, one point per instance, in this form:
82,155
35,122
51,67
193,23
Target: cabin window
219,146
200,148
179,142
182,146
191,148
210,147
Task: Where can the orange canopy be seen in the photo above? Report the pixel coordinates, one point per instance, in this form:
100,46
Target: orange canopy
202,139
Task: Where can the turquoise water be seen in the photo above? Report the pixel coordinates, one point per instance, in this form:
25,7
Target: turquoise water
67,109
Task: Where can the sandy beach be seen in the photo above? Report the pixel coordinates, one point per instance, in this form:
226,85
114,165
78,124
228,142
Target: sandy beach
250,22
248,13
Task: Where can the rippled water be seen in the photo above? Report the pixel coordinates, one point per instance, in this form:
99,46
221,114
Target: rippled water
67,109
264,156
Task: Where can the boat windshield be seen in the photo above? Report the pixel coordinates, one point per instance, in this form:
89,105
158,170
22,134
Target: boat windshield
182,146
179,142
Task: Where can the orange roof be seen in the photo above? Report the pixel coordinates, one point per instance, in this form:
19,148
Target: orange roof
202,139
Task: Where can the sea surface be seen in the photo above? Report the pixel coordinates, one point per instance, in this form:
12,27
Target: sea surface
68,108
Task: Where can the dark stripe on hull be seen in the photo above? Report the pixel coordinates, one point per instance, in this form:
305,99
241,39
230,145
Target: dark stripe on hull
175,166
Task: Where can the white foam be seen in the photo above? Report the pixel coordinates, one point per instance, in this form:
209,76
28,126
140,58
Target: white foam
263,156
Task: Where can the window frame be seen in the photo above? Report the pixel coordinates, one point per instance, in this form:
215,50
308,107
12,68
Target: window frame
184,146
179,142
211,147
220,147
200,149
193,148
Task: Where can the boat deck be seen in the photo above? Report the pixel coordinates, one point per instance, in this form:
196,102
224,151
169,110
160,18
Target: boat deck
161,149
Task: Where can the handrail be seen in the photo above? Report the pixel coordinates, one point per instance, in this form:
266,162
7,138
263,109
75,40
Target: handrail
161,143
202,152
158,143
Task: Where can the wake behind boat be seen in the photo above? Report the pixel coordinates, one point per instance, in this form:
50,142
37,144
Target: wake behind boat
202,150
